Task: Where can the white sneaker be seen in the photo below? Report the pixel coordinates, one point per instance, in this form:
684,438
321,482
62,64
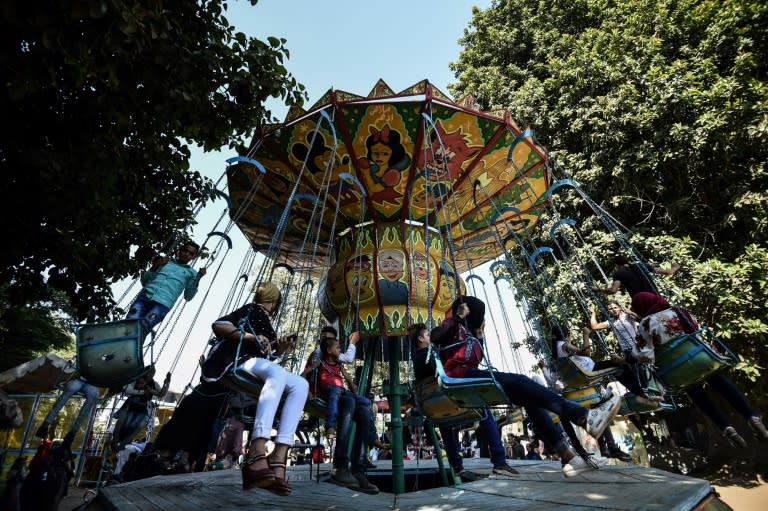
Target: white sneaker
600,416
576,466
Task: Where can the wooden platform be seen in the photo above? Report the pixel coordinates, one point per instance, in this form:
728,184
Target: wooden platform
540,486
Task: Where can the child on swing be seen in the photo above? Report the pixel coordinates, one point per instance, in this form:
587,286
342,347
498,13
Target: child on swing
343,406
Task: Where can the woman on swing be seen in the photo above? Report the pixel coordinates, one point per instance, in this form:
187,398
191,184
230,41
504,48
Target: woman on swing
660,324
260,470
459,338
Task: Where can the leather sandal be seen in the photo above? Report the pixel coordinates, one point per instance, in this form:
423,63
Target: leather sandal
256,477
279,486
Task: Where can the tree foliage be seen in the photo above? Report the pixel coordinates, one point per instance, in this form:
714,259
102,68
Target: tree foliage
659,109
99,99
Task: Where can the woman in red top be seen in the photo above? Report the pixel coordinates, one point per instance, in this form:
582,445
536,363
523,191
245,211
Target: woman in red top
460,338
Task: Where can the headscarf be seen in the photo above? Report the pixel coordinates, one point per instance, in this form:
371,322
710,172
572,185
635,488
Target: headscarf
476,310
267,292
645,303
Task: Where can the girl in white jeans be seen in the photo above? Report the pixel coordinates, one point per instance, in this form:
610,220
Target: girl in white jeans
251,322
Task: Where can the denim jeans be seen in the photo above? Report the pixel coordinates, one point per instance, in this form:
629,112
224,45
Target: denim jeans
486,428
331,419
345,408
150,313
723,386
525,392
72,387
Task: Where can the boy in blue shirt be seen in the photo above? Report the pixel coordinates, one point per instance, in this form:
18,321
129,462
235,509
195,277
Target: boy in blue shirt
163,284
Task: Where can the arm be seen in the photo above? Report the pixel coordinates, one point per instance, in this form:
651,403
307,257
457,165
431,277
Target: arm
613,289
348,356
164,389
149,275
348,379
447,329
310,366
594,324
131,390
667,271
226,330
194,279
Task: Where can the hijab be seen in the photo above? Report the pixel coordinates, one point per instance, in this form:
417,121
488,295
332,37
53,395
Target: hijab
476,310
645,303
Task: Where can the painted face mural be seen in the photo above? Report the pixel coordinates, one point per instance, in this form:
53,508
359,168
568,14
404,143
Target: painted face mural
359,278
392,291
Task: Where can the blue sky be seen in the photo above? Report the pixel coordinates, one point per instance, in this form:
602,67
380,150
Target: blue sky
347,45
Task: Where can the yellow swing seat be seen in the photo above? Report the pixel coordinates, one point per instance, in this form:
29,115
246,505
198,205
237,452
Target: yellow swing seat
110,354
574,376
438,407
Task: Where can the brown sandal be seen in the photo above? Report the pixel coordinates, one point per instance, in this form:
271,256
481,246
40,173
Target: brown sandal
279,486
257,477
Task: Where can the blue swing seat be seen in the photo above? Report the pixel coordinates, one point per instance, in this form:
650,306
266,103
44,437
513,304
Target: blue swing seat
472,392
689,359
630,406
110,354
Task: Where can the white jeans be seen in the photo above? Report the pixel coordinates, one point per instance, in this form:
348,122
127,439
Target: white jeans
276,382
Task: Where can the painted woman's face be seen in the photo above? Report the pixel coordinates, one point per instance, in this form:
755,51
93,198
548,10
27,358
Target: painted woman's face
380,155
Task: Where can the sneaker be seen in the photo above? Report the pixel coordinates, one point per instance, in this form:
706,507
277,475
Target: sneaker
505,470
599,417
364,485
343,477
756,423
576,466
733,437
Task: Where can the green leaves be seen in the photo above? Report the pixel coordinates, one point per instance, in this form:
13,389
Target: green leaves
660,110
102,98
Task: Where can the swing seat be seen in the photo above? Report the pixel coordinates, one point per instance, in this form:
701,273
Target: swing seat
241,380
438,407
510,416
575,376
472,392
110,354
586,396
317,408
630,406
690,359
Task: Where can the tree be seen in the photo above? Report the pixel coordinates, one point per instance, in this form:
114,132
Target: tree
100,98
658,108
34,329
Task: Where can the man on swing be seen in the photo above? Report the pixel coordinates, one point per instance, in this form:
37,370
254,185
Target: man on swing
163,284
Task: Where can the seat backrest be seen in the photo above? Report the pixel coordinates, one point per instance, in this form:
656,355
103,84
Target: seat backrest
438,407
690,359
574,376
110,354
472,392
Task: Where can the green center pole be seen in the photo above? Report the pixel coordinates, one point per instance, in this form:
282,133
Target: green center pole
394,393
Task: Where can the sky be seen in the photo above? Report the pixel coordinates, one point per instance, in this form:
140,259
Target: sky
347,45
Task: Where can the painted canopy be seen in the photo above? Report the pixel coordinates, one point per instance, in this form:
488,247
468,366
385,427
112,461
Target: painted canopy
418,156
